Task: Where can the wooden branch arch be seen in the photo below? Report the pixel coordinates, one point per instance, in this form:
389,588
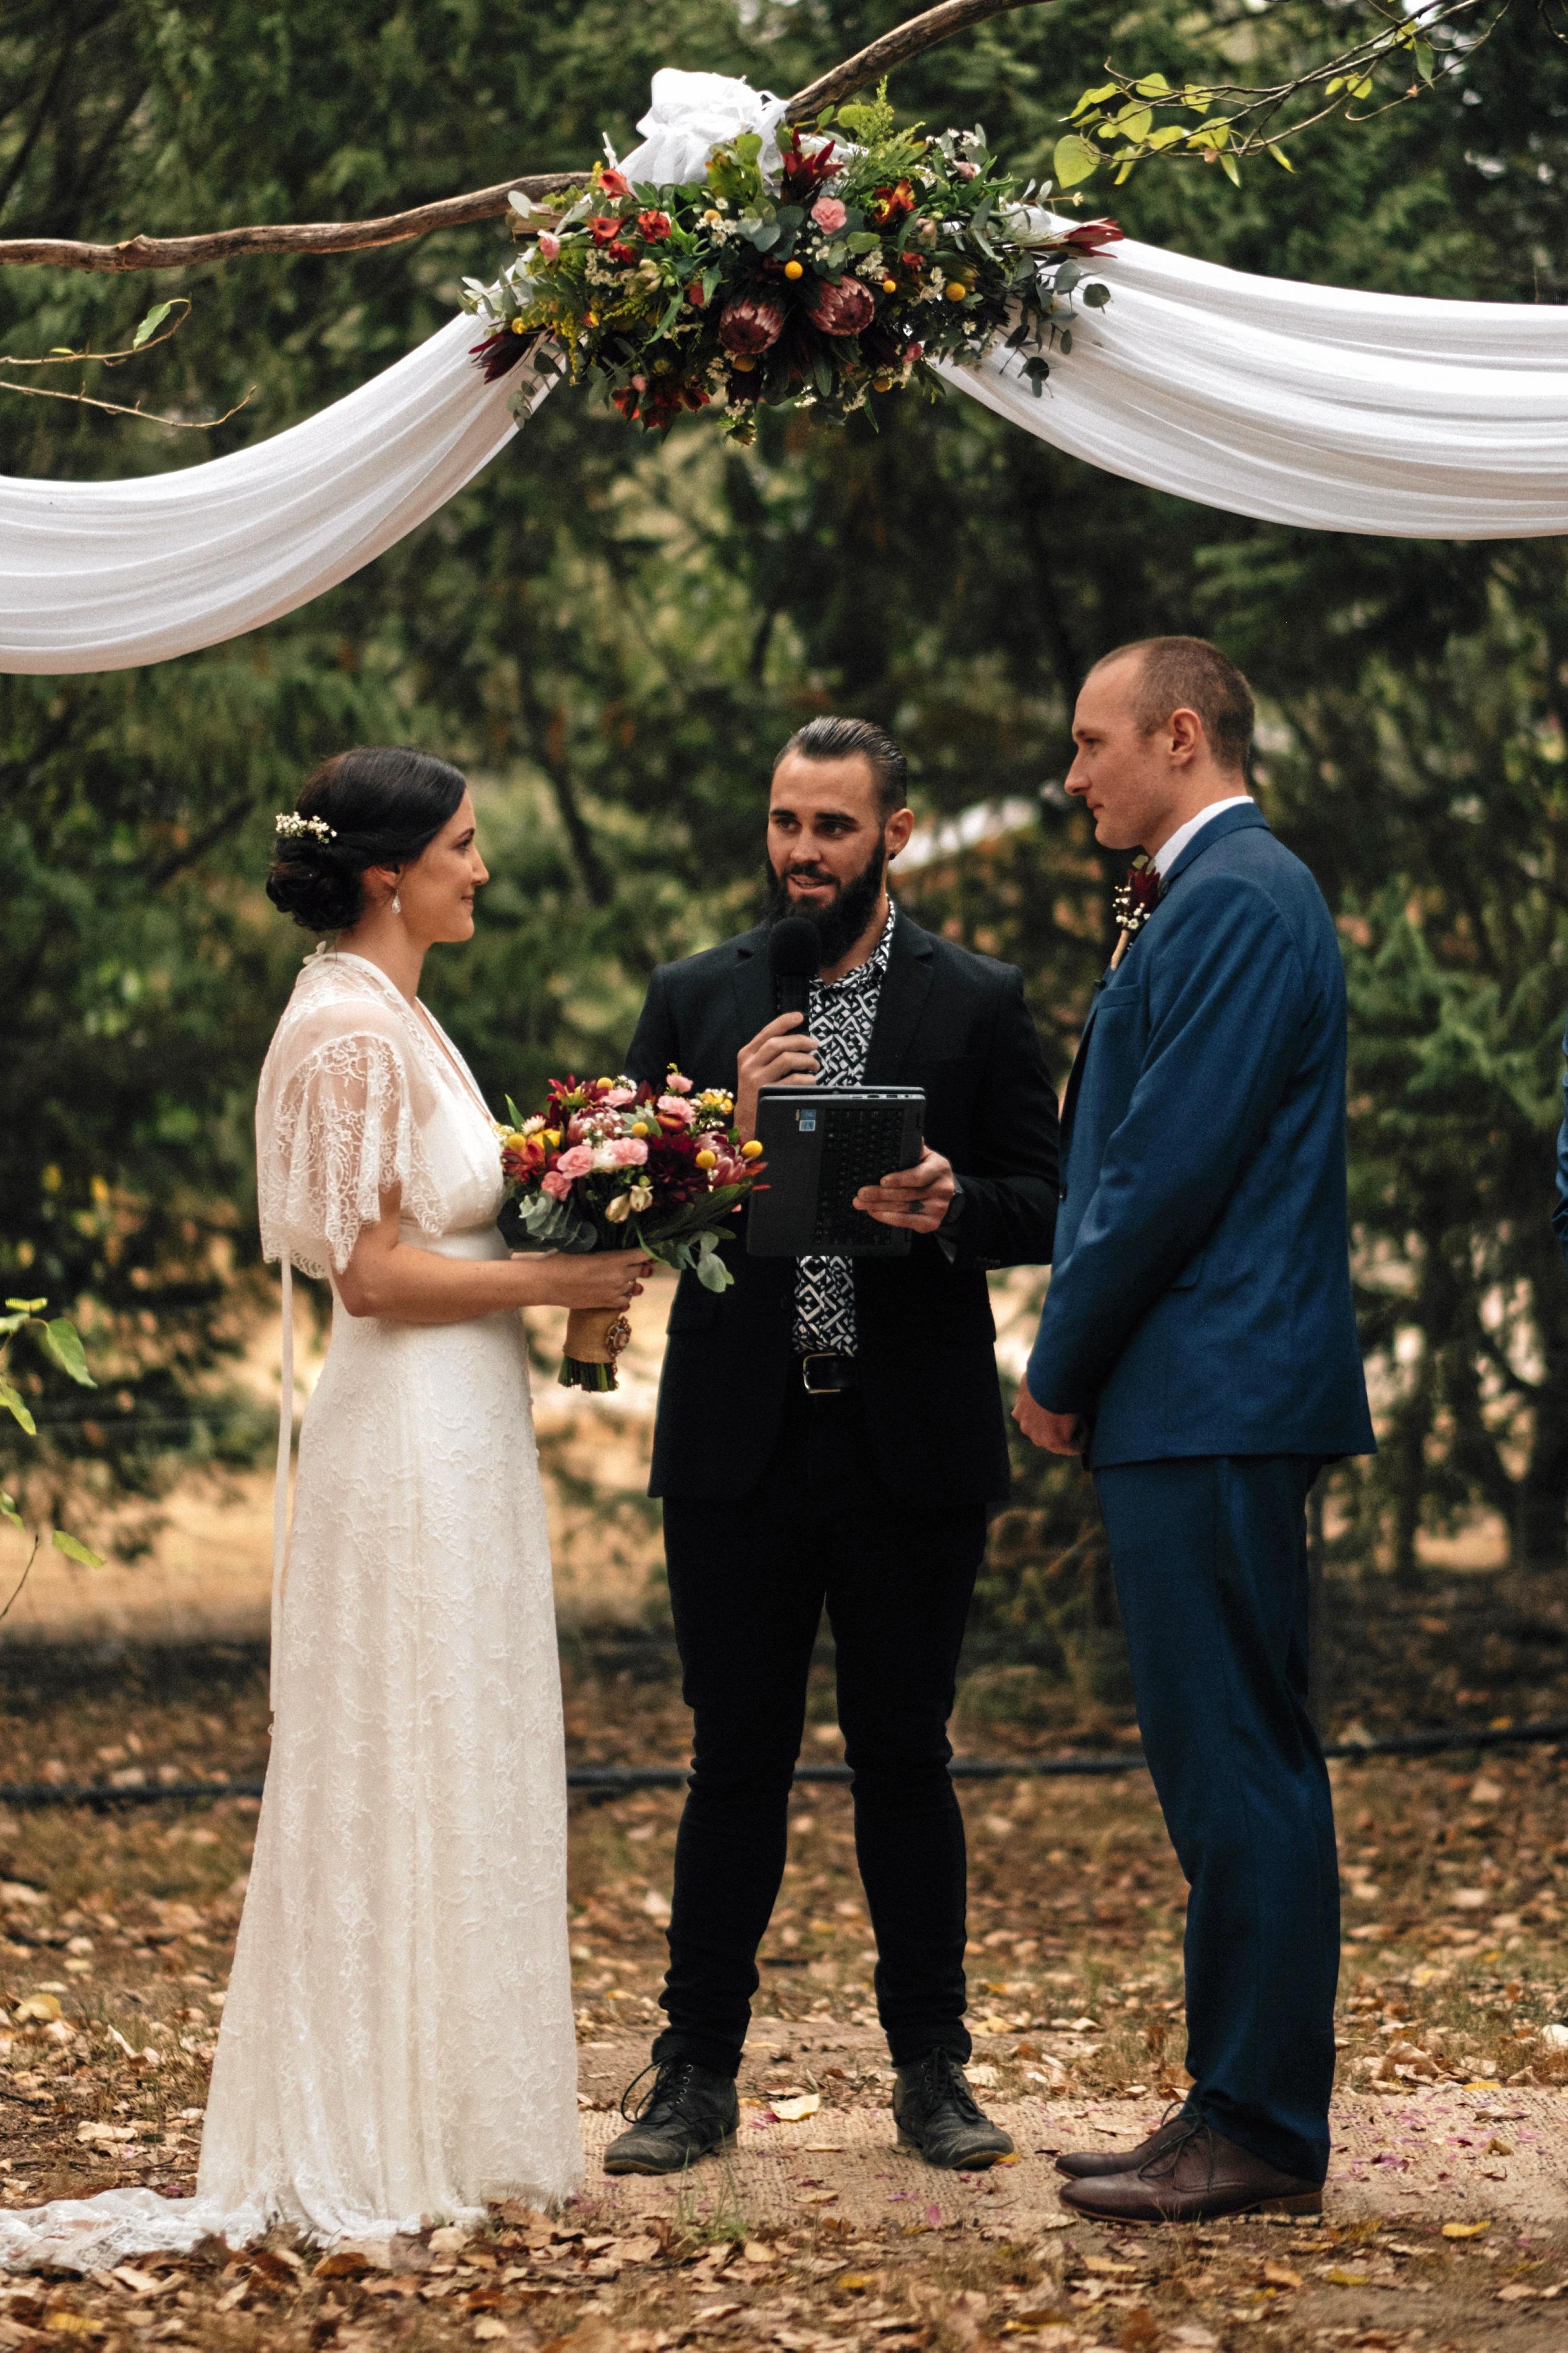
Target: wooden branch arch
894,48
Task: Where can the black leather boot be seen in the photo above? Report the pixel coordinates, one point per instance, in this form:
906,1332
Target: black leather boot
688,2113
937,2113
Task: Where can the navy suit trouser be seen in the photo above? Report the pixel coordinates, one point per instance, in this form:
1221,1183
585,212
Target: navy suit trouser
1210,1559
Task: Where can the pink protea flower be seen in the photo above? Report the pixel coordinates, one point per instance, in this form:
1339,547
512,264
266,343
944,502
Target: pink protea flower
574,1164
842,309
828,214
750,325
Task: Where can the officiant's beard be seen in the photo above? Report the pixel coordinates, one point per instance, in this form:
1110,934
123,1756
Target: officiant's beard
841,919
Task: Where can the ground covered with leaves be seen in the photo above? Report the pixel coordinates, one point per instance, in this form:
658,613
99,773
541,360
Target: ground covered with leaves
116,1928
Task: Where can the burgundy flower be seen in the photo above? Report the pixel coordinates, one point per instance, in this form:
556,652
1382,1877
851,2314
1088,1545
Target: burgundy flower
842,309
499,353
620,251
750,325
802,172
1093,237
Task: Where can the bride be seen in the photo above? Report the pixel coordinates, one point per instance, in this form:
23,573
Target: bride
398,2044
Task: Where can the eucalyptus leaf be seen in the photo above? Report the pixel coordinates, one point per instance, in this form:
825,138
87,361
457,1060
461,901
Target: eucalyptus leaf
1095,297
151,324
12,1400
1074,160
63,1342
74,1550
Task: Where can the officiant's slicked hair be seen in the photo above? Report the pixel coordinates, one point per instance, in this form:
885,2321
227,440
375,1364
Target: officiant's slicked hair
856,739
1189,674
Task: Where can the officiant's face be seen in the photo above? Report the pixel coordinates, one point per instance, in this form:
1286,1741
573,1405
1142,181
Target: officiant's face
1129,782
826,829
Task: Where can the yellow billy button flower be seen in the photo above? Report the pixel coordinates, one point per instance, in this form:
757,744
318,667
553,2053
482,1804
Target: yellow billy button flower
743,362
956,289
518,328
889,285
794,269
708,1160
753,1151
641,1127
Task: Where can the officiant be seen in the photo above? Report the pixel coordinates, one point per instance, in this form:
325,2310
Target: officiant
830,1434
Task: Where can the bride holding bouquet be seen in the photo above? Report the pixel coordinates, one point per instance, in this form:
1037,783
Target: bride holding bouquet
398,2044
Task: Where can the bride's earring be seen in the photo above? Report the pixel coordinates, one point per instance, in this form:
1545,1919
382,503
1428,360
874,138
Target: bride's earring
396,904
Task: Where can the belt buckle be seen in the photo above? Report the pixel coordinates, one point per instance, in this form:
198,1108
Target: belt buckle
817,1356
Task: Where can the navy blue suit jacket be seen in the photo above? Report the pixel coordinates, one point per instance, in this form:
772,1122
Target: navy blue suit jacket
1200,1297
1560,1213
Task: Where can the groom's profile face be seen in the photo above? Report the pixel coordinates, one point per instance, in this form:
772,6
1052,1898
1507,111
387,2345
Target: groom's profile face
1129,781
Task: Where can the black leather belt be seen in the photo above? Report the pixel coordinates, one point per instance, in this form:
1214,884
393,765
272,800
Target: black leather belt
825,1375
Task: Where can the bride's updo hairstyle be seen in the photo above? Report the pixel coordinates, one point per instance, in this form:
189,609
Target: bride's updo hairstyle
376,808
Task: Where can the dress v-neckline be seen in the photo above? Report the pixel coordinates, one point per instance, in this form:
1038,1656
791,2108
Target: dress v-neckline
427,1021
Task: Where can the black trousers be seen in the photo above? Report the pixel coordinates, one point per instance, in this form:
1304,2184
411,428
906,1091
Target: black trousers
747,1586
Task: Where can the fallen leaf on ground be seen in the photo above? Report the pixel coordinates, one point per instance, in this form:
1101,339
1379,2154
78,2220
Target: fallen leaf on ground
792,2112
1466,2230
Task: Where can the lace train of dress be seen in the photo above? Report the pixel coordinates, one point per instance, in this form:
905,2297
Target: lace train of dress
398,2044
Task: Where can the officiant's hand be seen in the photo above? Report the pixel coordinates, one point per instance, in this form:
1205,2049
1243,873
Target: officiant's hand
782,1055
1059,1433
918,1197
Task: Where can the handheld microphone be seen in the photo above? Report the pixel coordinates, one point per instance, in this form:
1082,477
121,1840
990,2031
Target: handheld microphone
794,959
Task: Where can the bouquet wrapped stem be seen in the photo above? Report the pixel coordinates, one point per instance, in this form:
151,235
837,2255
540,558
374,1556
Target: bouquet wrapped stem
609,1165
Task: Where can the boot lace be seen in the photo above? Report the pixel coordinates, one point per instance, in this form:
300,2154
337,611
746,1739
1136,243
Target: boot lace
664,2099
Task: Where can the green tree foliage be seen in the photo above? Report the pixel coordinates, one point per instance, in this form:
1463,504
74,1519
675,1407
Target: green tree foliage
615,634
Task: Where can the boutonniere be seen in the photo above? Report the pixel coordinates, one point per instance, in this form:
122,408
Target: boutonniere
1136,899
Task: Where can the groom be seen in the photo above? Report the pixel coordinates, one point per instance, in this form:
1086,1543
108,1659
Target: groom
1198,1348
830,1433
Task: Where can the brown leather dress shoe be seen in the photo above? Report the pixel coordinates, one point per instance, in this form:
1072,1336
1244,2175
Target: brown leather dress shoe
1197,2178
1091,2164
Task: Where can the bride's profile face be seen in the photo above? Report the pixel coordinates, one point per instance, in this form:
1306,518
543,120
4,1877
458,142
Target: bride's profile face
438,891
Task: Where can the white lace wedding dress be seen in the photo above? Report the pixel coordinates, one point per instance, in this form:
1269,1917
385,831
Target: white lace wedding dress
398,2044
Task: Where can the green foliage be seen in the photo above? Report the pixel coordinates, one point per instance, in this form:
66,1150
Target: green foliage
59,1341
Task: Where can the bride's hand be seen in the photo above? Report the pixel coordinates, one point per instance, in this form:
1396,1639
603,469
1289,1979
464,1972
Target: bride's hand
592,1279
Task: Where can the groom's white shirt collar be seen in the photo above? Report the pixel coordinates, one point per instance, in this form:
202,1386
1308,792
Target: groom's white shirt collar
1166,858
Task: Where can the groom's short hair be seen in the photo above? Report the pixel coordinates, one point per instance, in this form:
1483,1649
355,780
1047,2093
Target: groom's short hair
1189,674
856,739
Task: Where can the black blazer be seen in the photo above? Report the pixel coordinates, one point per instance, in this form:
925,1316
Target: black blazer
955,1024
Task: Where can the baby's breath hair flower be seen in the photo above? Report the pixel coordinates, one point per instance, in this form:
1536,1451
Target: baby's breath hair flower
291,825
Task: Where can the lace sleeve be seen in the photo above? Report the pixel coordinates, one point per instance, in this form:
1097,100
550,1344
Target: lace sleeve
335,1130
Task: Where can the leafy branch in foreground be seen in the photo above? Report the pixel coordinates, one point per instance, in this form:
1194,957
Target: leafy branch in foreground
1130,119
61,1342
162,323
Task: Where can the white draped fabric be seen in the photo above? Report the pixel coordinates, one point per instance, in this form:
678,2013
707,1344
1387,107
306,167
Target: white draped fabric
1305,405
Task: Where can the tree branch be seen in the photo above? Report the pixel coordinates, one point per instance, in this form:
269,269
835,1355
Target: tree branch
895,49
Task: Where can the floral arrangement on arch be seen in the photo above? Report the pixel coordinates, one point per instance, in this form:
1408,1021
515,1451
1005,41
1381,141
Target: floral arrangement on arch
610,1164
870,253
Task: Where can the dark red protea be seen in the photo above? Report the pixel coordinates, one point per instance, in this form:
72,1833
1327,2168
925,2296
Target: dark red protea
750,325
842,309
1092,237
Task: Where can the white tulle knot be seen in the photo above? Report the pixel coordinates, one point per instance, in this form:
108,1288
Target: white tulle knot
693,113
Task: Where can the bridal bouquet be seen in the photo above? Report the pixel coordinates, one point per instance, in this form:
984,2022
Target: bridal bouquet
868,253
611,1165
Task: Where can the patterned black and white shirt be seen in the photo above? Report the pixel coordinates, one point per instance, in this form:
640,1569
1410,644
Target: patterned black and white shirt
839,1016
